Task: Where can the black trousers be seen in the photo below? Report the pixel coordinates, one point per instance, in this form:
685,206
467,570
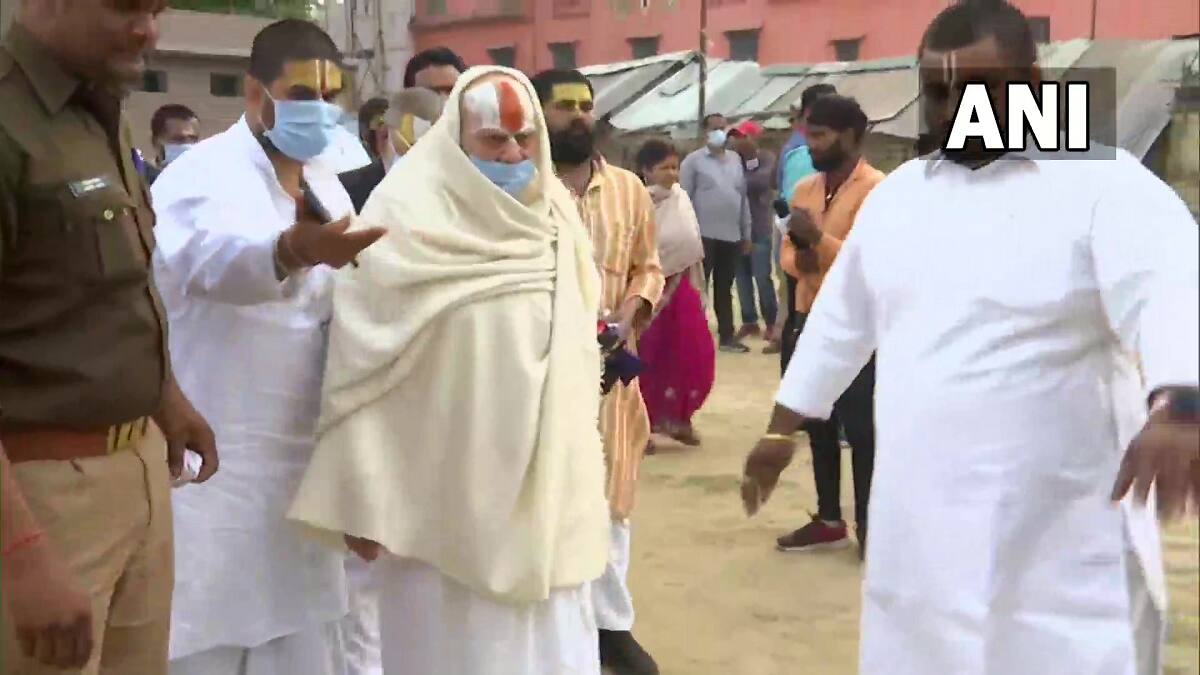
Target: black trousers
791,327
720,266
853,414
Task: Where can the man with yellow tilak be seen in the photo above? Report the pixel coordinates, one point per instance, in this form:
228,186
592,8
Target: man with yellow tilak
245,262
458,445
618,213
390,134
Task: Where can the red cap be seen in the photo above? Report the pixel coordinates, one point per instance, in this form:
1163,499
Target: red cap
749,129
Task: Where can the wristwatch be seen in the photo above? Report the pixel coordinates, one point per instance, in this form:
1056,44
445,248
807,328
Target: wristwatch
1182,403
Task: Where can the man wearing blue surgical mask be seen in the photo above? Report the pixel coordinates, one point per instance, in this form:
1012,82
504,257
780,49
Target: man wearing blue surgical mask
174,129
466,468
251,226
714,178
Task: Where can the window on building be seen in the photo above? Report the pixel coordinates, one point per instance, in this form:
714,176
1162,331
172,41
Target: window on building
571,7
1040,27
504,56
743,45
225,85
846,50
644,47
435,7
563,55
154,81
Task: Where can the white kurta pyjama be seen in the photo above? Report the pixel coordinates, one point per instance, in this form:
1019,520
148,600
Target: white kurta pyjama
1010,307
430,623
250,352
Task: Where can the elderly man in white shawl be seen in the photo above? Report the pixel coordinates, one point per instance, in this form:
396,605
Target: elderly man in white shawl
458,443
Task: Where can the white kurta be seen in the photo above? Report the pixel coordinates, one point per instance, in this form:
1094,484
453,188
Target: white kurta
1005,305
250,352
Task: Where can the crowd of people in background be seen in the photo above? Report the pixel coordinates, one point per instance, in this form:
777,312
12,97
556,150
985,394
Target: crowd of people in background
428,459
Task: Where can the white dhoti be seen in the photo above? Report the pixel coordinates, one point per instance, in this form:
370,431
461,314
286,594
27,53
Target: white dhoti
318,651
610,593
432,624
360,628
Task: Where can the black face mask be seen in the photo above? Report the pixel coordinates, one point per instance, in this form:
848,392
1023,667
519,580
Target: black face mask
572,146
830,159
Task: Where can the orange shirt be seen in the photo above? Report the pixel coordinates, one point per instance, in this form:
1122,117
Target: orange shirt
834,218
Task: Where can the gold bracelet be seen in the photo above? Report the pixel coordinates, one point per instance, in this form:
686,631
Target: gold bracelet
778,437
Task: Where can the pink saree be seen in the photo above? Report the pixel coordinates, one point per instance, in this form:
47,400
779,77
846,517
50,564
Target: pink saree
679,359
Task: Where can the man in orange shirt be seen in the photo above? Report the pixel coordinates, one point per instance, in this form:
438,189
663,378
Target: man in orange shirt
823,209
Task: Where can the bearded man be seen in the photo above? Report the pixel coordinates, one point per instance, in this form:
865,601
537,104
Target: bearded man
459,447
618,213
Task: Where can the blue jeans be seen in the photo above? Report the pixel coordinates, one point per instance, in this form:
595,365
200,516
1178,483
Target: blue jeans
755,270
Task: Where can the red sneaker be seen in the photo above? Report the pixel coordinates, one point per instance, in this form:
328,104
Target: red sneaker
814,536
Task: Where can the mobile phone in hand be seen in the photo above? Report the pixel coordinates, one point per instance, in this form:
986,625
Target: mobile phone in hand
782,209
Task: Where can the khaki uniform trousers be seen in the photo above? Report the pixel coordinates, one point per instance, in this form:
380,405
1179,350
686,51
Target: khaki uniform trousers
110,517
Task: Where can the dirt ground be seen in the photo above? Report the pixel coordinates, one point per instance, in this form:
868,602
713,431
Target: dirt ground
712,595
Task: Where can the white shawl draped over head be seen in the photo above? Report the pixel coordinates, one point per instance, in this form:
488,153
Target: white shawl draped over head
459,416
679,243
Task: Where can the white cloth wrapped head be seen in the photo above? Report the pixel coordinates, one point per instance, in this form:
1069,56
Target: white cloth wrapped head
459,416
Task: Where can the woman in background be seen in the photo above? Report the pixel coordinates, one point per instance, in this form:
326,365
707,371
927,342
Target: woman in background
677,348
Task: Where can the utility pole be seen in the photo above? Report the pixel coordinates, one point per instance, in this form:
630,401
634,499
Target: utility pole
1094,3
703,67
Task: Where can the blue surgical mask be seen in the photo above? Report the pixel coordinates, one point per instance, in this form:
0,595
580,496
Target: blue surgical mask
717,138
303,129
172,151
512,178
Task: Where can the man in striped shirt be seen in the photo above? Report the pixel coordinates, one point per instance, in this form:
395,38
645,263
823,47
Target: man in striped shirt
617,211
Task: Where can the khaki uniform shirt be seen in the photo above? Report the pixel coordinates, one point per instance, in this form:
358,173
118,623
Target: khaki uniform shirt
82,330
619,215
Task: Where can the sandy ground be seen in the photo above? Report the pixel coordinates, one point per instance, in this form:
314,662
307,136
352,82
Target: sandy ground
713,596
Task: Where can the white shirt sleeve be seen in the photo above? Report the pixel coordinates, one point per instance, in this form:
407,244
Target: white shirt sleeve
1146,252
839,335
204,252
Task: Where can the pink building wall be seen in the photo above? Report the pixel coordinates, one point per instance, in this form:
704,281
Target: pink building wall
791,31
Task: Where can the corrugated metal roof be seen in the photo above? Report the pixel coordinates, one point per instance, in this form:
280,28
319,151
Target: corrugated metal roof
674,101
1147,73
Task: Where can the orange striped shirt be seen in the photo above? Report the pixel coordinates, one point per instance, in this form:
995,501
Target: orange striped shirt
619,215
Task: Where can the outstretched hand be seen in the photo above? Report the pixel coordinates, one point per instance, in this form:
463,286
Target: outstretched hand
1165,454
764,464
312,242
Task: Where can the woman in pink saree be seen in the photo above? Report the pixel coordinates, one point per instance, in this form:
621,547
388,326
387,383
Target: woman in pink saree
677,349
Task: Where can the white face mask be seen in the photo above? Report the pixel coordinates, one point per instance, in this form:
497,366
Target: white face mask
717,138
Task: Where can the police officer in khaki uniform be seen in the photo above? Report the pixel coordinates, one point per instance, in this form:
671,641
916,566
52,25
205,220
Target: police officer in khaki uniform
87,571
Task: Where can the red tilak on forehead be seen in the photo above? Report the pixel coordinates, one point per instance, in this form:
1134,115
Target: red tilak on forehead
512,114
